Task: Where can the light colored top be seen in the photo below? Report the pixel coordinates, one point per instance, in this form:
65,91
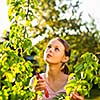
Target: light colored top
51,92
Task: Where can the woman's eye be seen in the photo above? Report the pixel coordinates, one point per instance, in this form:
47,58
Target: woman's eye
49,46
57,49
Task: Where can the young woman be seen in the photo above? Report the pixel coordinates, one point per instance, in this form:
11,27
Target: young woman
55,78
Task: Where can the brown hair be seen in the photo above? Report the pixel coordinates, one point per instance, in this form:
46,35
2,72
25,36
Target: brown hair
67,53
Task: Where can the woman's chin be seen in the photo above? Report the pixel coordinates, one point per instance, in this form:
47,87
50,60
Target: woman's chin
48,61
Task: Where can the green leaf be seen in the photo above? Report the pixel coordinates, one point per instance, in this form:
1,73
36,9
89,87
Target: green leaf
67,98
9,76
78,68
71,76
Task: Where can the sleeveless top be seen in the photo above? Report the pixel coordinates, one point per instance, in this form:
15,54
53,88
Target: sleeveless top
52,93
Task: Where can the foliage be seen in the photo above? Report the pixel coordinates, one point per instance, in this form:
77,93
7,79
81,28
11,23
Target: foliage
59,97
15,73
50,19
86,74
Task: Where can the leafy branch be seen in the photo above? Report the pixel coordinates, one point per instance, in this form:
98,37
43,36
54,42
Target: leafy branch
86,74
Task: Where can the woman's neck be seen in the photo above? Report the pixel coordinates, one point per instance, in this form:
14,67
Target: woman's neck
54,73
55,78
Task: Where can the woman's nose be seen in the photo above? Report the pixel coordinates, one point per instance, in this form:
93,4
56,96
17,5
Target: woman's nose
51,49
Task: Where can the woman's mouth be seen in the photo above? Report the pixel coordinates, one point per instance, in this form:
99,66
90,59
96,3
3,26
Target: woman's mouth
48,55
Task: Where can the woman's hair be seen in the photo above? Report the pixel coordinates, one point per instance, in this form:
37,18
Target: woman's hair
67,53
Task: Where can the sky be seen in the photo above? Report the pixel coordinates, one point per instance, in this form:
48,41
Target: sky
4,23
88,6
93,8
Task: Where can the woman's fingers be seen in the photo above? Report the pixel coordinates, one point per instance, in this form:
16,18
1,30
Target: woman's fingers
39,88
40,81
40,85
76,96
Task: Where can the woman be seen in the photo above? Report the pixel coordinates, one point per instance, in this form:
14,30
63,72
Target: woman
55,78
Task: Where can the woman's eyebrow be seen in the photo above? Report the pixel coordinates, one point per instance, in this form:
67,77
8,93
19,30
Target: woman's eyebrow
49,45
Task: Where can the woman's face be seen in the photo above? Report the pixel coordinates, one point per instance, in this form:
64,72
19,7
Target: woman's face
55,52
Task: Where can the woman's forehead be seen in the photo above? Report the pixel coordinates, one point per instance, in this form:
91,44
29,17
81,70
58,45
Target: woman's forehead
56,43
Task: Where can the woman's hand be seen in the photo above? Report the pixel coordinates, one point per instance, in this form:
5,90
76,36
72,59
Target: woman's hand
76,96
41,85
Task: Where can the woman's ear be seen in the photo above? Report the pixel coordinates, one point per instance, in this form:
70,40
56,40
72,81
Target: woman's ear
65,59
